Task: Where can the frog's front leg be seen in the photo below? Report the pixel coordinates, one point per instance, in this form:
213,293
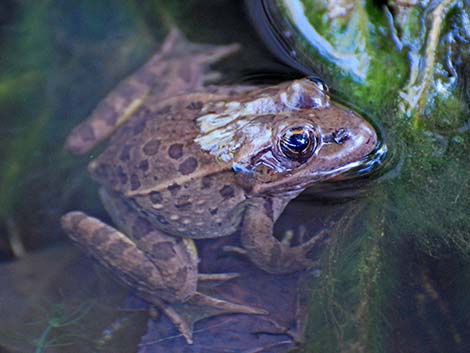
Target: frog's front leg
167,274
267,252
178,67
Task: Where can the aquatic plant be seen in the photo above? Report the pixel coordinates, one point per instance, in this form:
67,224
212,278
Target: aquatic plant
57,325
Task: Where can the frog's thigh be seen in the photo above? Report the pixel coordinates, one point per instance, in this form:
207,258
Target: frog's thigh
267,252
168,273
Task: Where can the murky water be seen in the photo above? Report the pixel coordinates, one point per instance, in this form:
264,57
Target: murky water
392,275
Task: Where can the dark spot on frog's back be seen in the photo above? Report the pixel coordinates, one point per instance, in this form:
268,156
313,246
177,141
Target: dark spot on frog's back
122,176
135,182
174,188
155,197
227,191
184,206
175,151
151,148
188,166
206,182
125,154
143,165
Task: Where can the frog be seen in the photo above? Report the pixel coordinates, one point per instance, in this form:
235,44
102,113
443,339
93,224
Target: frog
188,160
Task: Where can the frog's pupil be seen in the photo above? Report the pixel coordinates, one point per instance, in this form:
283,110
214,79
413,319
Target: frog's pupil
298,142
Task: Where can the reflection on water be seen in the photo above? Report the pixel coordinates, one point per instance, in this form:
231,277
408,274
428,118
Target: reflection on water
392,273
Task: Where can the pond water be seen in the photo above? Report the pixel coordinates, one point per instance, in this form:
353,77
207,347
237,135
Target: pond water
391,276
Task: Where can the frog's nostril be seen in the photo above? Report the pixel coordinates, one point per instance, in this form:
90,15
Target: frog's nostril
340,135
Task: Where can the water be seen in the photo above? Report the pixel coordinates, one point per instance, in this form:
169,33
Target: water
393,273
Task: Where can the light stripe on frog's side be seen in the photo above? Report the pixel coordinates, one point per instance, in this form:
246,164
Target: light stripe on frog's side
181,180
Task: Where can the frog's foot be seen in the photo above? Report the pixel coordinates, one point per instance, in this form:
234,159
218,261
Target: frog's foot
297,256
269,253
223,306
288,259
199,307
201,57
178,67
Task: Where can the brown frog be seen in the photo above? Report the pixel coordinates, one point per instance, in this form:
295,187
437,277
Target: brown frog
188,161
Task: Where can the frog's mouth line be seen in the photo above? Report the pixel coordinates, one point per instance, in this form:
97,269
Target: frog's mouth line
365,166
303,182
181,180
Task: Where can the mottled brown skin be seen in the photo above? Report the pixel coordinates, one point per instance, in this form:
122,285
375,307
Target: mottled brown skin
187,161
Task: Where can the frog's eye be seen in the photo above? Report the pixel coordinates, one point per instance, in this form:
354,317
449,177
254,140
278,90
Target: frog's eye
319,83
298,143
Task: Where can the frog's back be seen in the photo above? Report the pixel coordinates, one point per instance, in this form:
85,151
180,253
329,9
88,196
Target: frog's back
154,165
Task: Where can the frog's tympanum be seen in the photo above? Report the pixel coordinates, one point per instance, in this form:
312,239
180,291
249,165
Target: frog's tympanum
188,161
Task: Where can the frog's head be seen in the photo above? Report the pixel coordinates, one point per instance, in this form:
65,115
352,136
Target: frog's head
289,151
284,138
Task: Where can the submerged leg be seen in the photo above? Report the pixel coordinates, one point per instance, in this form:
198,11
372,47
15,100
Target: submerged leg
167,274
178,67
132,265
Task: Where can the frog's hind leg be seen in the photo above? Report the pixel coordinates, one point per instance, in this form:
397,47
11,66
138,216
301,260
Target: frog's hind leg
122,257
166,278
178,67
132,265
